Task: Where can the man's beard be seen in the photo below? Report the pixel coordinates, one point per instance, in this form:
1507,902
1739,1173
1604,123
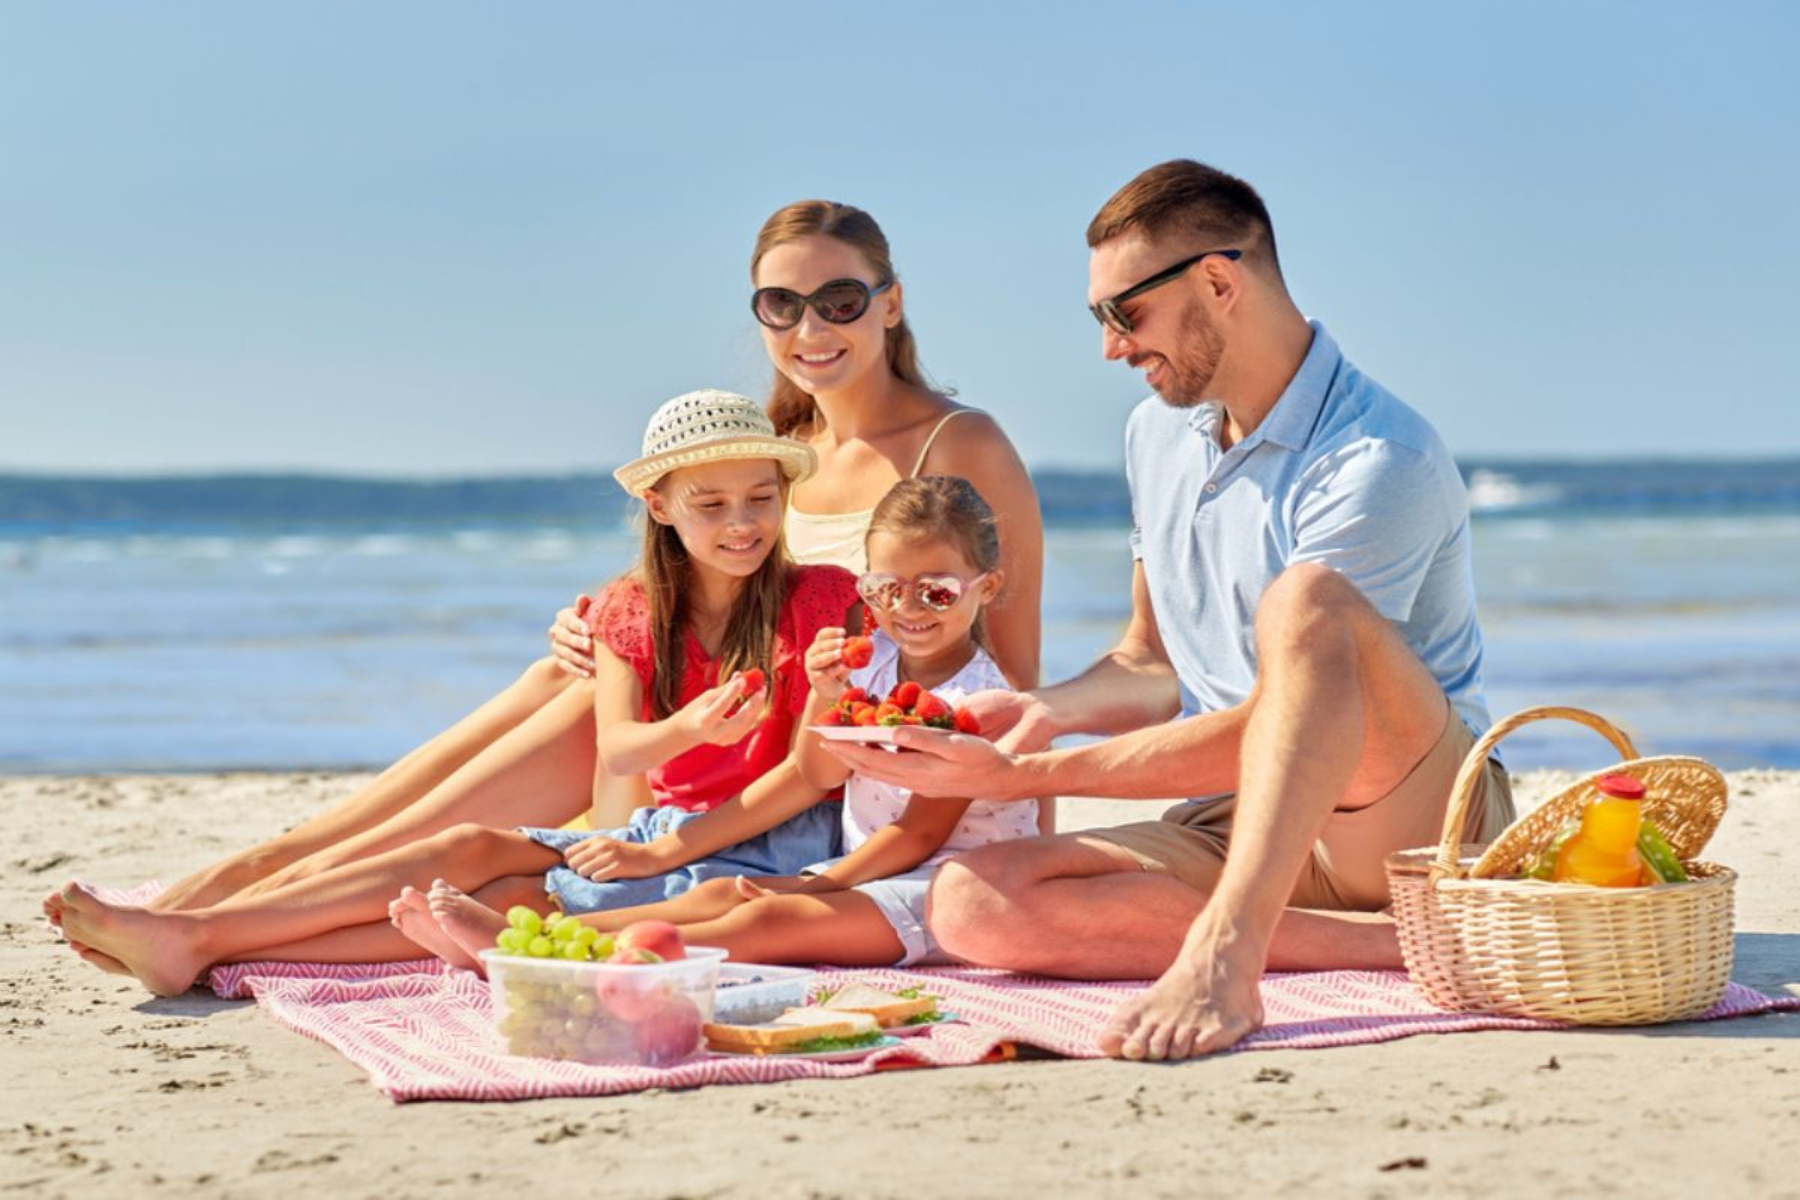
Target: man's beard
1188,376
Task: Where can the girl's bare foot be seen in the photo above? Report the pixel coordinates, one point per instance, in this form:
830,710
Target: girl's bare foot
467,921
412,916
94,958
161,949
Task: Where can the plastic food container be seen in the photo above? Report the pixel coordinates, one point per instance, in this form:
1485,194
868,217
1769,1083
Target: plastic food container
640,1015
750,993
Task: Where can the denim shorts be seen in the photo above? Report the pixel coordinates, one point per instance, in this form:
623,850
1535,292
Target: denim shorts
806,837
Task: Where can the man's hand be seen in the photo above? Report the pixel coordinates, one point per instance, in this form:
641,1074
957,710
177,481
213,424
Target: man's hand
570,642
939,764
608,858
1017,722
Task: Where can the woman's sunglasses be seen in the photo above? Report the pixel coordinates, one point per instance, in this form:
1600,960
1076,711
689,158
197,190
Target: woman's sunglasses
841,301
939,593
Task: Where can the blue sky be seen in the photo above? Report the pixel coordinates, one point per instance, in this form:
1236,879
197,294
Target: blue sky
442,238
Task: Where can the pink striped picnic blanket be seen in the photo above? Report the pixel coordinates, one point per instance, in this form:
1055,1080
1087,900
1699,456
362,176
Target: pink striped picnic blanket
422,1030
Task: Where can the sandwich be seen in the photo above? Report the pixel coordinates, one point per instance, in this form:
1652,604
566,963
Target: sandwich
909,1007
796,1031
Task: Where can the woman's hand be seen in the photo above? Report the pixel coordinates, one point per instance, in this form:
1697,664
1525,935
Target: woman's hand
716,717
825,668
570,642
608,858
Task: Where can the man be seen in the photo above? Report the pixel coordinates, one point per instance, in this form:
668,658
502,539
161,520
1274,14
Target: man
1302,598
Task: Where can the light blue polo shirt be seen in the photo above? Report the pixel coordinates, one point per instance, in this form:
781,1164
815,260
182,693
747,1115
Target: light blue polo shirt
1340,473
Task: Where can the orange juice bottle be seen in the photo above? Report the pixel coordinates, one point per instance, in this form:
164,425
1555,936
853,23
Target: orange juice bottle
1604,853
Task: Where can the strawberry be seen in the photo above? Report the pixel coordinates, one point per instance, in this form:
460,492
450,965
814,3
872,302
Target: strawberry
888,713
833,716
863,714
857,652
754,679
966,722
930,705
854,695
906,695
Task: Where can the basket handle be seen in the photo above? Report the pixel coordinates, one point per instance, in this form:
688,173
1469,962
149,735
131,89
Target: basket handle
1463,790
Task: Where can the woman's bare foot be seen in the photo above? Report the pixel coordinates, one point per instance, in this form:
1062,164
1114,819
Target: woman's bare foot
465,920
412,916
161,949
94,958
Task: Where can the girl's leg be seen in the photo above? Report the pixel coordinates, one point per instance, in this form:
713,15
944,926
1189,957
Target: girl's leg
845,928
371,942
540,773
389,794
168,951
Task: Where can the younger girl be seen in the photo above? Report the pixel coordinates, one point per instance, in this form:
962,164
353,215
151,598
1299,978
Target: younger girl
679,713
934,564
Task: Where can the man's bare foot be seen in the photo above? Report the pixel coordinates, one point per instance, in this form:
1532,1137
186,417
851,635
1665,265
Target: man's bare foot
467,921
1194,1009
161,949
411,916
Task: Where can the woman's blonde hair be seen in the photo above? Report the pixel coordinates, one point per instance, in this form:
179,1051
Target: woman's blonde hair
749,640
943,508
791,409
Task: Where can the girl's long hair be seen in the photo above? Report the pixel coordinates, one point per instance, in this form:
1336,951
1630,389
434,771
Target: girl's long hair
664,574
792,409
948,509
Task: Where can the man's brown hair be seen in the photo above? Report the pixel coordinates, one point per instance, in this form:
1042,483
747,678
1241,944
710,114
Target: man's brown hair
1188,199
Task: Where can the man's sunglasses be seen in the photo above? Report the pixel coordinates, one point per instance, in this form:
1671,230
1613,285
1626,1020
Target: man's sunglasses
841,301
1108,312
939,593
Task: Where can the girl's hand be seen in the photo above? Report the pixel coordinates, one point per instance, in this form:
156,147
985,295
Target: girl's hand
715,716
825,669
570,643
609,858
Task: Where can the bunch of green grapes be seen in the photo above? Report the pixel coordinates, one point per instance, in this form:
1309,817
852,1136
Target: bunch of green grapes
528,935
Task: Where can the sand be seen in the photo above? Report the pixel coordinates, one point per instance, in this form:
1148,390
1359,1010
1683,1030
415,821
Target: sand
110,1092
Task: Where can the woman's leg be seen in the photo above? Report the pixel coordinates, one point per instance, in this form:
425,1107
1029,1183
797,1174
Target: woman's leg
389,794
168,951
539,773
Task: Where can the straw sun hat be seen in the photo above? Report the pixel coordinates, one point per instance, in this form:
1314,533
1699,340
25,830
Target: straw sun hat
710,426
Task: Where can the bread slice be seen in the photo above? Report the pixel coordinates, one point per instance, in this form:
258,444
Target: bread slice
792,1028
887,1009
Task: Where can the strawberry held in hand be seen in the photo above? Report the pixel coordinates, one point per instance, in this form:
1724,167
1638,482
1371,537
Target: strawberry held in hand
754,681
858,652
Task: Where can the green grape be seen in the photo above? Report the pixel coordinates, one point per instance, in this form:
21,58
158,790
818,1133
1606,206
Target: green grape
584,1003
513,941
586,935
575,951
540,947
520,917
561,929
603,949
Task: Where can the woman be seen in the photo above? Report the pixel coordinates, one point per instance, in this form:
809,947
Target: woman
847,382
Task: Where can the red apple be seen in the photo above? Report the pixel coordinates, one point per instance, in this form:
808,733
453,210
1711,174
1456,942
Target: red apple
658,938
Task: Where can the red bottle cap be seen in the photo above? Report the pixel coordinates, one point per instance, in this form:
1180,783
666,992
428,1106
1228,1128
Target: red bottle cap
1622,787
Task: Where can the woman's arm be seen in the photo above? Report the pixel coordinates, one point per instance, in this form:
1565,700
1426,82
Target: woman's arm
975,448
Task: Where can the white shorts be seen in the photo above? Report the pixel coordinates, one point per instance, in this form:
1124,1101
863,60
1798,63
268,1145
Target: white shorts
901,899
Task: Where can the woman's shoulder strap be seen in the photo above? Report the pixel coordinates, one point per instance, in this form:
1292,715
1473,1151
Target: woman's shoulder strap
925,450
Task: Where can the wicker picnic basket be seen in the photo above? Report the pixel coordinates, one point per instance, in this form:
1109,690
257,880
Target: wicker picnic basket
1476,940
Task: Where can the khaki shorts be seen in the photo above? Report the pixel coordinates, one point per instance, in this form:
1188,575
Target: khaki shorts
1345,870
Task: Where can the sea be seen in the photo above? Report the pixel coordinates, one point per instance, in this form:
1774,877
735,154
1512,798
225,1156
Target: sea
299,622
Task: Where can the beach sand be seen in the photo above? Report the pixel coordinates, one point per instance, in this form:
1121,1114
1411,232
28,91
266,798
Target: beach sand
109,1092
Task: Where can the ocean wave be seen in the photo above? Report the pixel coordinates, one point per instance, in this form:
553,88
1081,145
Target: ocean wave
1491,491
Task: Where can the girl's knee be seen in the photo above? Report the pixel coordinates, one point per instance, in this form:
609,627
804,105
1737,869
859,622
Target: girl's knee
503,893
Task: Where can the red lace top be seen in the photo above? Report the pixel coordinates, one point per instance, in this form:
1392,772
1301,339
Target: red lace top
707,776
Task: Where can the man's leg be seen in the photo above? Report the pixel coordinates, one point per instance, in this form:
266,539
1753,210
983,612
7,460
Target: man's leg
1083,907
1342,713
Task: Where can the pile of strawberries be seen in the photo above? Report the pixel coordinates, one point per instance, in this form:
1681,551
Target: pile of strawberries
907,704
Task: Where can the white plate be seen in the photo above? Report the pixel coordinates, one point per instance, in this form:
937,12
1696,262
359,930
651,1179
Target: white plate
873,734
944,1018
850,1055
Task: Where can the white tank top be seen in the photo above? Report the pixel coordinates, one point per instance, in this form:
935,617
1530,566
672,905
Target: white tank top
838,538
